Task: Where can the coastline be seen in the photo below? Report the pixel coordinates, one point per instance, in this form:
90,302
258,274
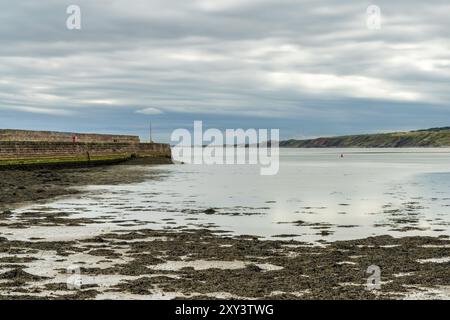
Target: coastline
189,263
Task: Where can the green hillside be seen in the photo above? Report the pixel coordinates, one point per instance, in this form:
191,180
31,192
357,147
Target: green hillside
435,137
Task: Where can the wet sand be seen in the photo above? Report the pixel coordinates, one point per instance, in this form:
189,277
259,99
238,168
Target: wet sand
18,186
183,263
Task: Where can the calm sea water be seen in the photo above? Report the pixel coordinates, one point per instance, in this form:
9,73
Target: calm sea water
316,195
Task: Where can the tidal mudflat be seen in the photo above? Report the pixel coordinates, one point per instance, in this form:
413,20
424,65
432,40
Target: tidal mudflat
181,231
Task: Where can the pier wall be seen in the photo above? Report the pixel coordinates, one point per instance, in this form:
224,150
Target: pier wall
31,147
53,136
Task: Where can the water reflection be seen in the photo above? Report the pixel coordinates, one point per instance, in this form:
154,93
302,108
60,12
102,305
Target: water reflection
317,194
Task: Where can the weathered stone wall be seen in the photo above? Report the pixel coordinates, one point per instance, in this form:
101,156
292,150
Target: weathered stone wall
52,136
153,150
19,147
31,149
37,152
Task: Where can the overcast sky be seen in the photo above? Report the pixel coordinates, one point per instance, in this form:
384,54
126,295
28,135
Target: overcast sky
310,68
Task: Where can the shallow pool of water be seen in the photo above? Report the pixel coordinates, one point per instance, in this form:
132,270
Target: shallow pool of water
317,194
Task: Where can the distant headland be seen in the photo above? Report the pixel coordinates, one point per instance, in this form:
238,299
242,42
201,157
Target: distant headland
434,137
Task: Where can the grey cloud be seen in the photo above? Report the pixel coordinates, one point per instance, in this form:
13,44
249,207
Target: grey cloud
250,58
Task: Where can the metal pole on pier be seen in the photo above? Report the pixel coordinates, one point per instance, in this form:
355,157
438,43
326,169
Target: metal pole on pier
151,140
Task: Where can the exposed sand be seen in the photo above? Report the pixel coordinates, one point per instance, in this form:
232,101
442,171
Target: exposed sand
39,248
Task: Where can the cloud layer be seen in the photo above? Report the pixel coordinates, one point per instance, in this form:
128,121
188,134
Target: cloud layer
306,67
